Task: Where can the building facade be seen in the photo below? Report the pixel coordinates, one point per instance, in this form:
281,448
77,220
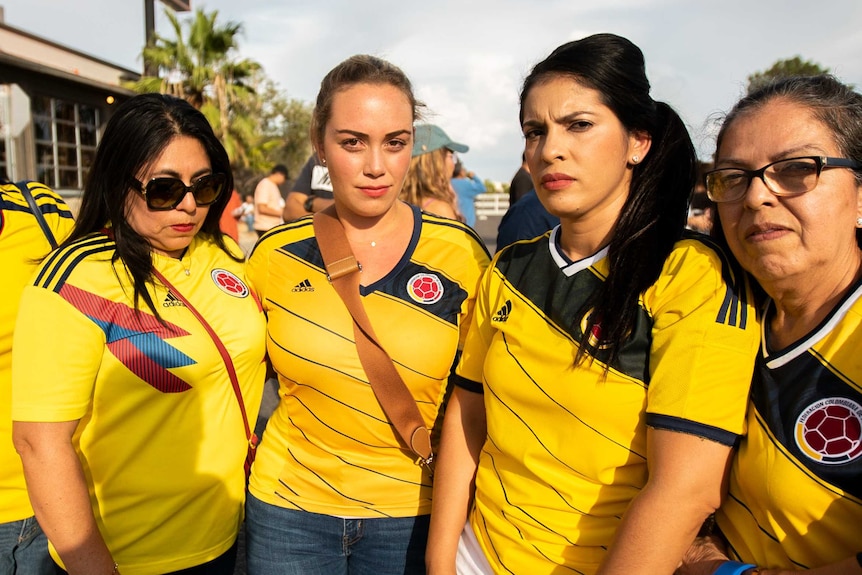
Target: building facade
54,103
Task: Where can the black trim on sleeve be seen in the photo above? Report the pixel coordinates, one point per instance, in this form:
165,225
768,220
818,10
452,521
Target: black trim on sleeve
467,384
709,432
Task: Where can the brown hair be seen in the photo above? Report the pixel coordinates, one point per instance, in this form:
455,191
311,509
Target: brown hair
358,69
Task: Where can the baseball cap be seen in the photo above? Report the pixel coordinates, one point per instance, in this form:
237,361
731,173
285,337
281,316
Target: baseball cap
429,137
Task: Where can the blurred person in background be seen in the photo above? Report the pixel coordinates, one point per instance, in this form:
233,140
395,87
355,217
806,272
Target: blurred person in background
429,181
268,201
467,186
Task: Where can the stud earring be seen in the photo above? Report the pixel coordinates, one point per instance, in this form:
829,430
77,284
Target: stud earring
859,222
323,161
636,159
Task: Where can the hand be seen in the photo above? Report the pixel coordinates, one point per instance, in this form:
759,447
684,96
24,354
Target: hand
703,557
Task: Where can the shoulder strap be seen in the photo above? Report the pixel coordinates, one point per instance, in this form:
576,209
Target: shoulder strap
37,213
392,393
228,363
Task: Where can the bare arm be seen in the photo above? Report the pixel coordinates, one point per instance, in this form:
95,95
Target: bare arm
294,206
439,208
463,436
687,480
269,210
60,497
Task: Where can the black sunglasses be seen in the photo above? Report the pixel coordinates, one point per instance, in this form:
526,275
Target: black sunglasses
163,194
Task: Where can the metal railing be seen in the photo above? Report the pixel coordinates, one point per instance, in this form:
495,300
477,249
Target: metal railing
491,204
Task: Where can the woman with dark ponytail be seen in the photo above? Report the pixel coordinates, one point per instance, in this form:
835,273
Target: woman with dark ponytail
602,385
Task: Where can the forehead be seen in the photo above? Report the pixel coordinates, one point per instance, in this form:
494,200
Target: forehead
360,103
775,127
563,93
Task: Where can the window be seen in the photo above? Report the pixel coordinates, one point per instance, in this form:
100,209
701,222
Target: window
66,138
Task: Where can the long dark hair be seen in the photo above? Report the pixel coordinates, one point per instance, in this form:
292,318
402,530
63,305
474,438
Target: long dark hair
654,214
831,102
135,136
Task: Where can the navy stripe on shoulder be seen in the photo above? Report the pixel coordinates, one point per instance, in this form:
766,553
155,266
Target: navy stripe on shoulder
734,309
467,384
670,423
61,262
302,222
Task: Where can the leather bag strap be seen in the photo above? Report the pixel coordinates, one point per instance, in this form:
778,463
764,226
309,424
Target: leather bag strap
396,400
228,364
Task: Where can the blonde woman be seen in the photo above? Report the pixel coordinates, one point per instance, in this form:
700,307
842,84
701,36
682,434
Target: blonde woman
428,180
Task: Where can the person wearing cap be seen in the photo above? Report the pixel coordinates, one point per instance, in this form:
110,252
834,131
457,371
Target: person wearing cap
268,202
428,183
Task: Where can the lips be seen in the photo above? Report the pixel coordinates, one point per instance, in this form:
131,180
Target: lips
556,181
183,228
376,191
764,232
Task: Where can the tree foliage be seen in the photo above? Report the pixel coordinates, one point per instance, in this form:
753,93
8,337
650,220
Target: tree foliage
257,124
795,66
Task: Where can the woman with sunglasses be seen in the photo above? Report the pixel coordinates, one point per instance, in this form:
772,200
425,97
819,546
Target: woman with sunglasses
133,380
788,186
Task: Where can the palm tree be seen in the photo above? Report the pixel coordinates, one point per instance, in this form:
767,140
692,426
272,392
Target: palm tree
199,65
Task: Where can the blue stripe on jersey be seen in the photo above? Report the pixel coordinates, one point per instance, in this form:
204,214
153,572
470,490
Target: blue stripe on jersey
671,423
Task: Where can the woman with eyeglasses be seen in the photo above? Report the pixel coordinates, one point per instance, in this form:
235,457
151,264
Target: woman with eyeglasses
788,185
603,381
138,358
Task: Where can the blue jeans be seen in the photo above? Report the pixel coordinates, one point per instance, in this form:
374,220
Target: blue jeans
286,542
24,549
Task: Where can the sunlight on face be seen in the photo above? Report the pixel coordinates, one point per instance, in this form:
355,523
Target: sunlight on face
170,232
578,151
367,145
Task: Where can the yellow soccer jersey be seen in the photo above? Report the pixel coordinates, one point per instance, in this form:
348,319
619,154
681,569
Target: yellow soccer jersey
566,447
22,245
795,498
161,435
328,447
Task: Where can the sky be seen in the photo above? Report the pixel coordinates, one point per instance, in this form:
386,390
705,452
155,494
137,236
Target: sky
467,59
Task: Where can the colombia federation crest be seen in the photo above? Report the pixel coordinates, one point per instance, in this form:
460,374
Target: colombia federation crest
829,431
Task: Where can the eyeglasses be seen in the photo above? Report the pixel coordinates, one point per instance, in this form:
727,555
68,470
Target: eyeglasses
164,194
789,177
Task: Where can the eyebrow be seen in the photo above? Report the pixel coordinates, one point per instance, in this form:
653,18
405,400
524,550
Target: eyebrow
570,117
362,135
169,173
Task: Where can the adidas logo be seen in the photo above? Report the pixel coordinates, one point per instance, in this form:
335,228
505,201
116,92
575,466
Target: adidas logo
502,314
304,285
172,301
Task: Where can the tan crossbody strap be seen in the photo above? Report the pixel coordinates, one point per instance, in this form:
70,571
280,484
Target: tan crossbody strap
396,400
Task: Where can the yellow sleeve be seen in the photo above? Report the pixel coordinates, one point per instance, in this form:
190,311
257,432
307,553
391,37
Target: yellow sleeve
705,337
481,332
56,356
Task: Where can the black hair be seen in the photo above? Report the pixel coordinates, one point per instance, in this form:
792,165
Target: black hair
654,215
280,169
831,102
138,132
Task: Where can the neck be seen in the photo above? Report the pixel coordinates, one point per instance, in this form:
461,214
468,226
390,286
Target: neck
580,239
802,304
